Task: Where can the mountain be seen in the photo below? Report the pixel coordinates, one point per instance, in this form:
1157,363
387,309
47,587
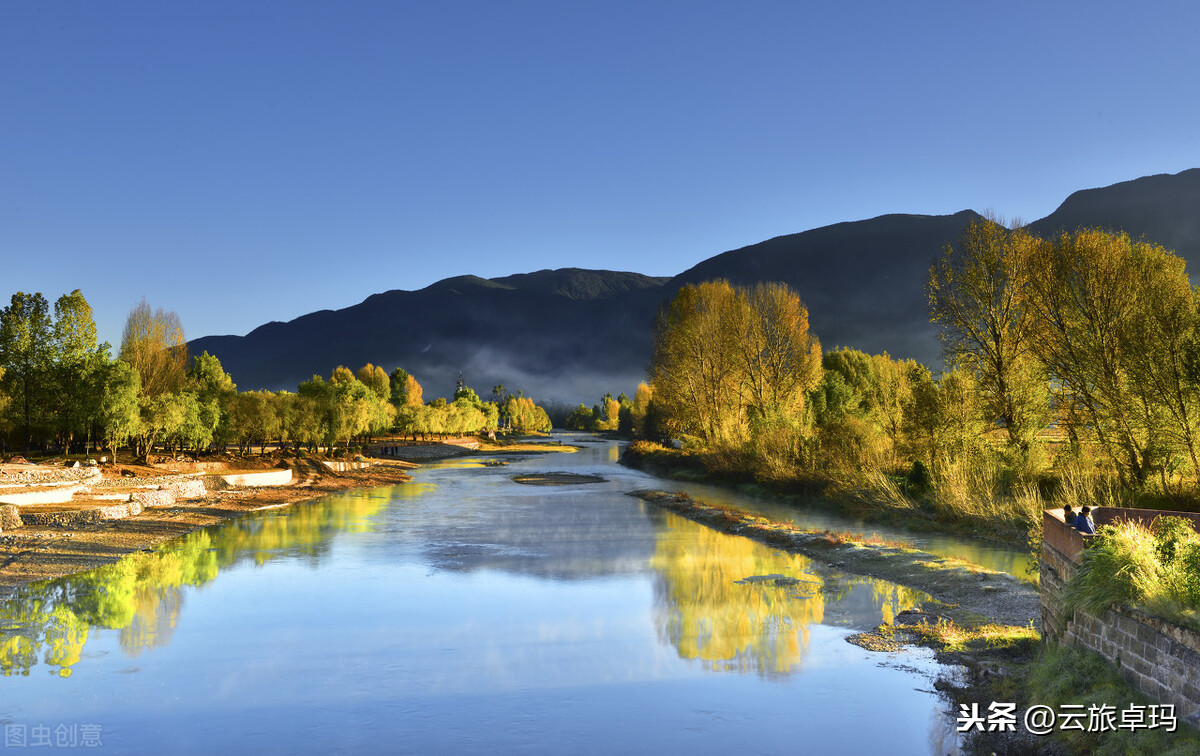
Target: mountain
1164,209
533,331
863,282
571,334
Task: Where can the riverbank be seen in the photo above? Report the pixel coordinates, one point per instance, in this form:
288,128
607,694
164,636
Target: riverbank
886,506
965,593
34,553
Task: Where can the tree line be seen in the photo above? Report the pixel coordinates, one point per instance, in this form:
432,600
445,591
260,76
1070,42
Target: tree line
1083,349
60,388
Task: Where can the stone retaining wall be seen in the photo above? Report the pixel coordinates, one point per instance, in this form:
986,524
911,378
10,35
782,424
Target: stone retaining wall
56,495
10,517
1158,658
190,488
147,498
340,466
258,479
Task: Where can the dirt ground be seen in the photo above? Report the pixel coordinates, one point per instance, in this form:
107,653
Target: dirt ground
37,553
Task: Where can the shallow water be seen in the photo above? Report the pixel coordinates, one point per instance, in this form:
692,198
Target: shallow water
464,612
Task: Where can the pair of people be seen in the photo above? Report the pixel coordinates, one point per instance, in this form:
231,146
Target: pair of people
1082,522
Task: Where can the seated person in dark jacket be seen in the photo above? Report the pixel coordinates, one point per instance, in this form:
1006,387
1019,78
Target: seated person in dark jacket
1068,515
1083,522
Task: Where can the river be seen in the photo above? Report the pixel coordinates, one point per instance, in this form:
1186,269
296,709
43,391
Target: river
466,613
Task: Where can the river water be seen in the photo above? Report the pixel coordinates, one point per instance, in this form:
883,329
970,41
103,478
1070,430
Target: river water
466,613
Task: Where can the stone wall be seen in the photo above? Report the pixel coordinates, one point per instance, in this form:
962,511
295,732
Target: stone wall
1158,658
256,479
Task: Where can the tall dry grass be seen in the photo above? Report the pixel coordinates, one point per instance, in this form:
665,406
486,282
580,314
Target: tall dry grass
1156,568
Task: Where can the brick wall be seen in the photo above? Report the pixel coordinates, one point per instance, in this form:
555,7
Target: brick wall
1159,659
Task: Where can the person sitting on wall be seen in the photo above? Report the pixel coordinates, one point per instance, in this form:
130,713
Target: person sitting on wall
1068,515
1083,521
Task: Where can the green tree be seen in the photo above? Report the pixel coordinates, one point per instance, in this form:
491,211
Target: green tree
214,390
119,411
26,333
76,375
581,419
398,381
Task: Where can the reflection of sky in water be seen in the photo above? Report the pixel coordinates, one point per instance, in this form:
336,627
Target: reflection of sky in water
464,612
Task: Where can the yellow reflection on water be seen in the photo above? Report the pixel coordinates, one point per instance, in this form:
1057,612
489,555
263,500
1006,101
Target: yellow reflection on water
141,595
719,603
710,615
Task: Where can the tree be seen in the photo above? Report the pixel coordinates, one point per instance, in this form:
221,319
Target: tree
412,392
466,392
25,353
781,360
612,413
214,390
729,362
1082,291
153,343
119,413
976,293
693,367
76,375
398,381
374,378
581,419
638,409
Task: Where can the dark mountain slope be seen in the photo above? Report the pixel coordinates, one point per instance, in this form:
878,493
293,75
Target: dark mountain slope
1164,209
536,331
572,334
863,282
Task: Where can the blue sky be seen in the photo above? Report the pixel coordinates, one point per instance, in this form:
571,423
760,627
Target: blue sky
240,162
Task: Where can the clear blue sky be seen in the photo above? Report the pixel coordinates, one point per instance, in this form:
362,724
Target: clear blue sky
240,162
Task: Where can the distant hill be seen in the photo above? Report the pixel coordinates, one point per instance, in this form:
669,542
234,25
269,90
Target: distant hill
863,282
533,331
569,335
1164,209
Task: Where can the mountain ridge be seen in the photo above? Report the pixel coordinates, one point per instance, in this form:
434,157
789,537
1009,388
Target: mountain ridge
570,334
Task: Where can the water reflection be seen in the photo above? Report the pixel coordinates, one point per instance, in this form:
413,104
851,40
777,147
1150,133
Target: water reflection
142,596
738,605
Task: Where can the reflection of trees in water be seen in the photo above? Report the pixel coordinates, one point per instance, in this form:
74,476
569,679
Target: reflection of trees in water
142,596
760,626
706,614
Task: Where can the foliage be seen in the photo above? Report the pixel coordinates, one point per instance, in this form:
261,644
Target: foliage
1155,567
975,291
725,356
26,355
153,343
